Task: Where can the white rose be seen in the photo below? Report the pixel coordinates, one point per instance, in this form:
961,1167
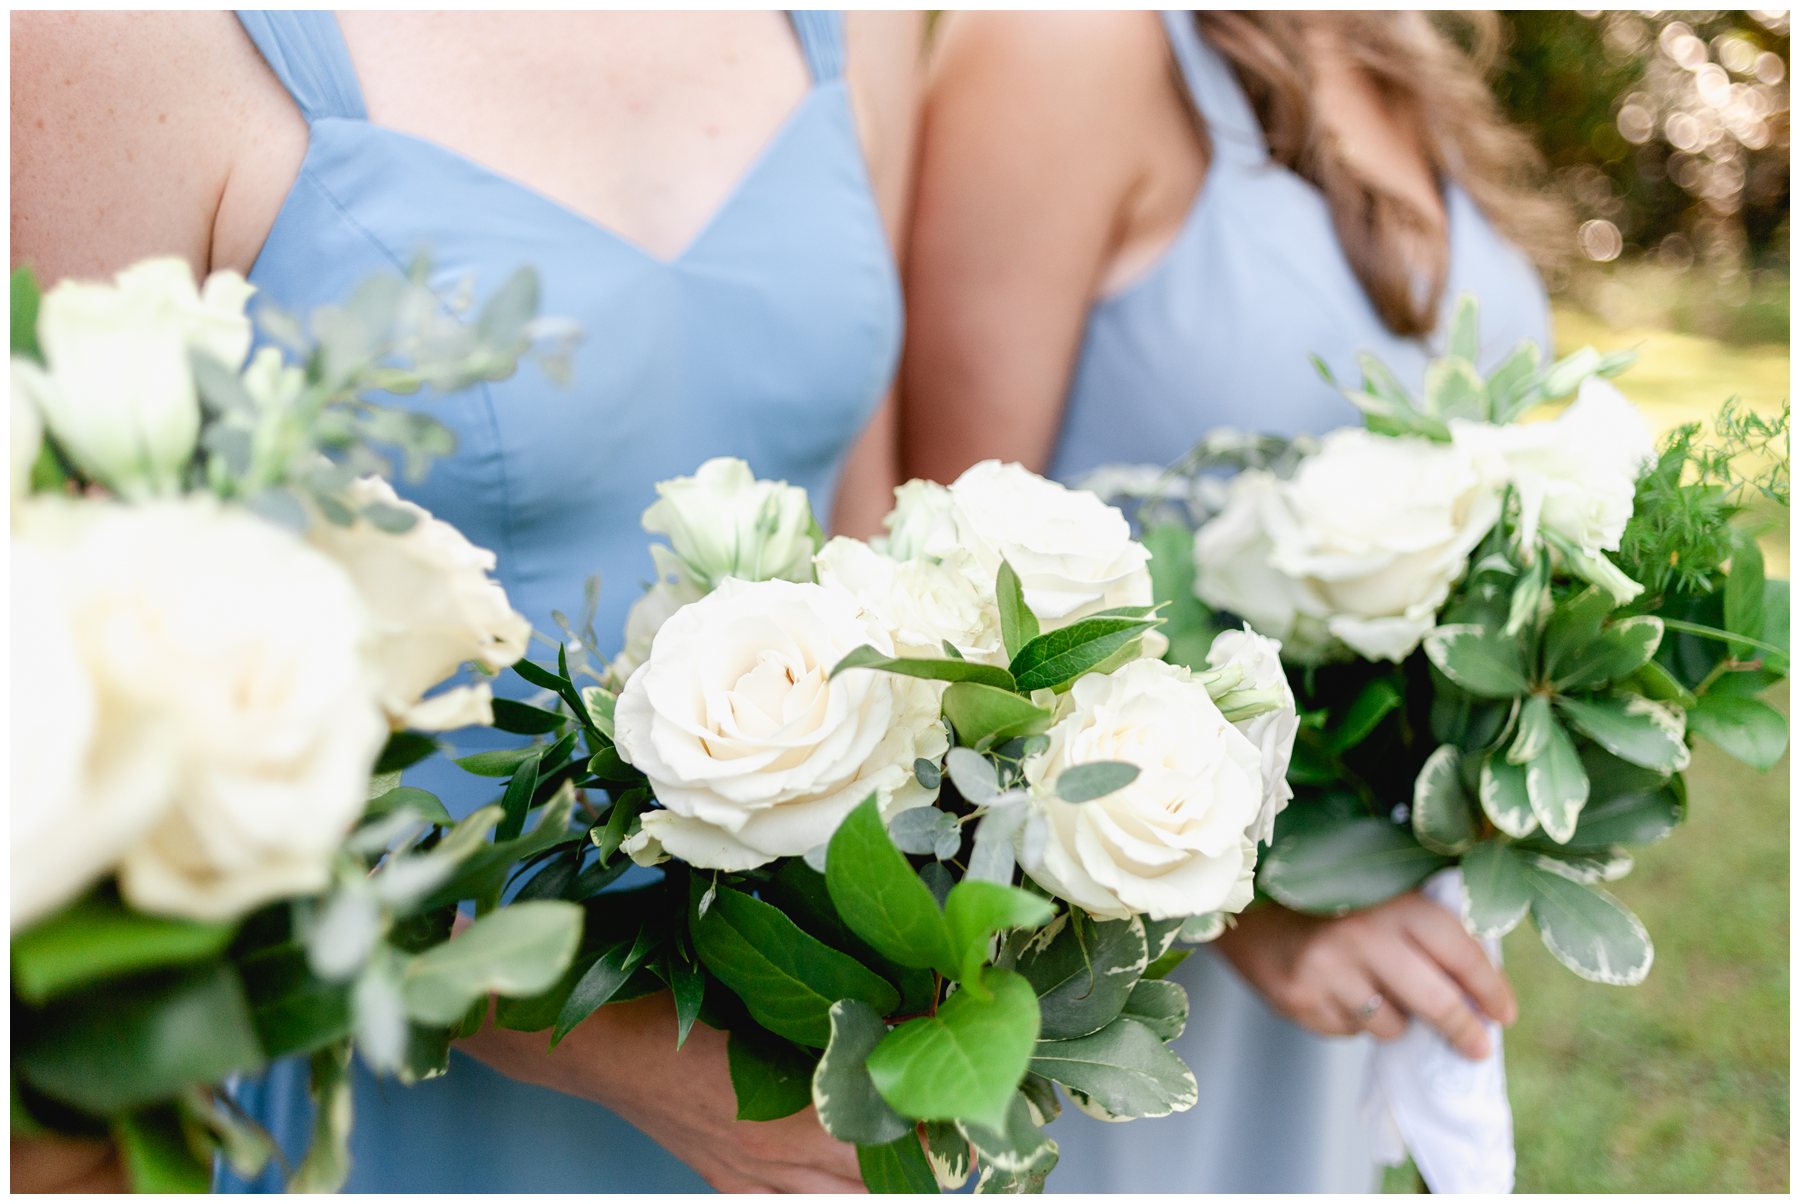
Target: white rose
1172,843
1233,569
923,603
432,608
81,795
27,436
922,523
118,394
645,619
1575,475
1370,534
750,745
723,522
1073,553
238,648
1273,732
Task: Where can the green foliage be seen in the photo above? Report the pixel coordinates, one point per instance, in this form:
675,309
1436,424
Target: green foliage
772,1078
965,1061
518,950
97,938
1123,1071
1333,866
897,1168
843,1091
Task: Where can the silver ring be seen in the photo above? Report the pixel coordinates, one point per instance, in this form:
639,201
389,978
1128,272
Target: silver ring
1367,1011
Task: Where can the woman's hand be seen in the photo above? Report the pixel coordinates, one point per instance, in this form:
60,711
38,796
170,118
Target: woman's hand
66,1164
624,1057
1409,953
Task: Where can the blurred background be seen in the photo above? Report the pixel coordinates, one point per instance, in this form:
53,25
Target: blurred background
1668,133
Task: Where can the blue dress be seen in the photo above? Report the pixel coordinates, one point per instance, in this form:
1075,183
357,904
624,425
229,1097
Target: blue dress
1217,334
772,336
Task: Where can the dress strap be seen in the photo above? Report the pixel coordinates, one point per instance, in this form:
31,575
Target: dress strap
306,51
821,34
1237,135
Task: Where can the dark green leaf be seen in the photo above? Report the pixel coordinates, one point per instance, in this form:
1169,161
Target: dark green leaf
879,896
687,984
159,1157
1124,1070
898,1168
516,802
843,1094
595,989
1018,1148
964,1063
404,750
1372,704
947,1150
984,716
97,938
524,720
1058,657
422,803
499,762
1160,1006
625,808
1750,730
1083,970
868,657
1344,866
1617,652
771,1077
1633,728
1018,626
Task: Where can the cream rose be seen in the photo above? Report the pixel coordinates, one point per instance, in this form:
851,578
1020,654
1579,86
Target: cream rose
923,603
236,650
118,393
1369,534
1258,661
432,608
645,619
1175,841
752,748
723,522
1575,475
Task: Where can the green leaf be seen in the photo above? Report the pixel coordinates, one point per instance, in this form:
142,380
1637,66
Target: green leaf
422,803
772,1078
499,762
1083,970
1191,626
294,1011
1453,389
1556,784
1018,626
1654,681
1485,665
974,911
947,1150
1058,657
1344,865
1587,929
131,1044
1750,730
1465,331
1095,779
524,720
1532,736
1161,966
1372,704
327,1162
1122,1071
1504,796
404,750
516,802
1632,728
1574,625
878,895
1160,1006
602,980
1443,817
625,808
964,1063
1017,1148
687,984
932,669
25,299
1511,380
1617,652
519,950
1499,893
843,1094
897,1168
159,1159
1744,595
985,717
787,979
96,938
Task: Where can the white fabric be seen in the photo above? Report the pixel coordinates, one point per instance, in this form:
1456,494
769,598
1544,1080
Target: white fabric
1452,1114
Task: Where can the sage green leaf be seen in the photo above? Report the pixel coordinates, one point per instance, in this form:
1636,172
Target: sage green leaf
1574,624
1373,703
1557,785
1160,967
1483,664
1587,929
898,1168
1589,869
327,1162
518,950
1652,680
843,1094
1504,796
25,298
1620,650
1191,626
1636,817
1465,331
1632,728
973,775
1058,657
1443,817
1122,1071
1200,929
947,1150
1083,970
1499,893
1511,381
771,1077
1017,1147
965,1062
1160,1005
878,895
96,938
1530,598
787,979
975,911
422,803
984,716
1536,720
1744,595
869,657
1344,865
1453,389
499,762
1018,626
1750,730
1095,779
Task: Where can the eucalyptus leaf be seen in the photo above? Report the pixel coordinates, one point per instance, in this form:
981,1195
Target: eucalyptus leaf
519,950
1093,780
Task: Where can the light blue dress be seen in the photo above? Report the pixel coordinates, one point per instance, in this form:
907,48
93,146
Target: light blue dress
1217,334
772,336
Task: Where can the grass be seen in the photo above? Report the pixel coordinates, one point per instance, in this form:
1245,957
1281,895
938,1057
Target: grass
1680,1084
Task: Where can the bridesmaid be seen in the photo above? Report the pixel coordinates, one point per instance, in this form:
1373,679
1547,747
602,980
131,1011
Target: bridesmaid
1130,230
714,198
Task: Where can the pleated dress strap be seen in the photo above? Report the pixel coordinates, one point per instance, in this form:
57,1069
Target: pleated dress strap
821,34
1216,94
305,49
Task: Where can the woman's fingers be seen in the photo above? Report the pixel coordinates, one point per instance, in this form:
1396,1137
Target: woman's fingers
1420,987
1443,938
1384,1021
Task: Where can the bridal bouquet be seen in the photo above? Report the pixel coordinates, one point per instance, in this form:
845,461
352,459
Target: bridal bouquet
929,813
227,636
1505,635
